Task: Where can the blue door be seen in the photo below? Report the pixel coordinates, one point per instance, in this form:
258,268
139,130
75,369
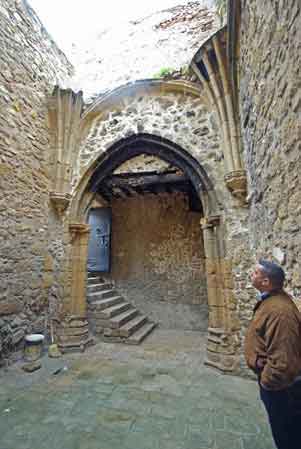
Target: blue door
100,240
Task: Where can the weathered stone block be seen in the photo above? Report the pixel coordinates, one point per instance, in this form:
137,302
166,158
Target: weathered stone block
17,336
74,339
10,307
31,367
72,331
48,263
216,316
111,332
53,351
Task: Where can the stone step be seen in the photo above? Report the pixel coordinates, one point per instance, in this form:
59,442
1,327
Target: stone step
137,337
108,332
131,326
111,316
99,287
94,296
91,274
94,280
101,304
111,312
119,320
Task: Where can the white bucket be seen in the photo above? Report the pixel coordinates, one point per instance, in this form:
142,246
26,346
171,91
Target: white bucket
35,338
33,347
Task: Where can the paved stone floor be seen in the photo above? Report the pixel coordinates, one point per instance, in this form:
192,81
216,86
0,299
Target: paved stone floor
155,396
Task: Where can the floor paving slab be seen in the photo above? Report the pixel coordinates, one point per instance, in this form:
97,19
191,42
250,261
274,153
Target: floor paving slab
159,395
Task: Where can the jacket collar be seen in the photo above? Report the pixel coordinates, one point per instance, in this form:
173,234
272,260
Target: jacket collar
263,296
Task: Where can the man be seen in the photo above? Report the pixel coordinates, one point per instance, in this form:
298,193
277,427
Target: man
273,352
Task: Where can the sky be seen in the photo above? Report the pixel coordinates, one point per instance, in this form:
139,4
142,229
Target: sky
71,21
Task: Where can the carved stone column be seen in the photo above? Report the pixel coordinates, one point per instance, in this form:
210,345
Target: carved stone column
211,66
64,112
221,353
215,301
72,332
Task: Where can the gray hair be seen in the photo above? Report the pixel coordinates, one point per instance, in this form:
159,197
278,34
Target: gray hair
273,272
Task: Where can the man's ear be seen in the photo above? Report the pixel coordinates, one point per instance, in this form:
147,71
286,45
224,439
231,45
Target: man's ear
266,282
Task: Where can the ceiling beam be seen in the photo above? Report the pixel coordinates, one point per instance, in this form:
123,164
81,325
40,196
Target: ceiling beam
143,180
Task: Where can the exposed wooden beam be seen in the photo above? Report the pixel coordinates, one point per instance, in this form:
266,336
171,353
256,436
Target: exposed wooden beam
159,188
143,180
125,185
130,191
118,192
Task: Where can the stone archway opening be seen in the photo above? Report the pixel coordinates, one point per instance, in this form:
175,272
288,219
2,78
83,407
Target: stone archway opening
220,350
157,249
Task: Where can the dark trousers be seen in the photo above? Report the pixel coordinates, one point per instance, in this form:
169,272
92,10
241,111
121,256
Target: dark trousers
284,411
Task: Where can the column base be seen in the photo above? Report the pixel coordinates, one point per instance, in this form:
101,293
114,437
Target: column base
222,354
222,362
72,334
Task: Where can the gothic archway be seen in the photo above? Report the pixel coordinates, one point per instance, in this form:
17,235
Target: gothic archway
168,151
222,334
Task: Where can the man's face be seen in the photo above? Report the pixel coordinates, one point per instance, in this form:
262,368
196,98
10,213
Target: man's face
259,279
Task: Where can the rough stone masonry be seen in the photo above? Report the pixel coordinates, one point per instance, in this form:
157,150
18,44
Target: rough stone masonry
34,239
270,104
31,64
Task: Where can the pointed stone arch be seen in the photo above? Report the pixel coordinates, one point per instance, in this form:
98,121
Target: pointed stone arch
133,146
222,339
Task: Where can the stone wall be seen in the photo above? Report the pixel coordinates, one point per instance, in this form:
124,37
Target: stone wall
31,237
30,66
142,163
158,259
270,103
184,119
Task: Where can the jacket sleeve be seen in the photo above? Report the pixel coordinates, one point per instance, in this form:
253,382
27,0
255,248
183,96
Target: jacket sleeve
282,338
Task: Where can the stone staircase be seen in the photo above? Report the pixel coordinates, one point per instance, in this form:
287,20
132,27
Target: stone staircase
111,316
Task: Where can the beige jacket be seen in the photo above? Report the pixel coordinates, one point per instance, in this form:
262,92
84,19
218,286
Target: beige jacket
273,341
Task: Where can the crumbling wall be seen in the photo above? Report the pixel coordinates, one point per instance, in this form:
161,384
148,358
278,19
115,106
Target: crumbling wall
182,118
31,64
270,103
158,259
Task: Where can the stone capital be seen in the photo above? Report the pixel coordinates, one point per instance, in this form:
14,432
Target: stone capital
60,201
79,229
210,221
236,182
